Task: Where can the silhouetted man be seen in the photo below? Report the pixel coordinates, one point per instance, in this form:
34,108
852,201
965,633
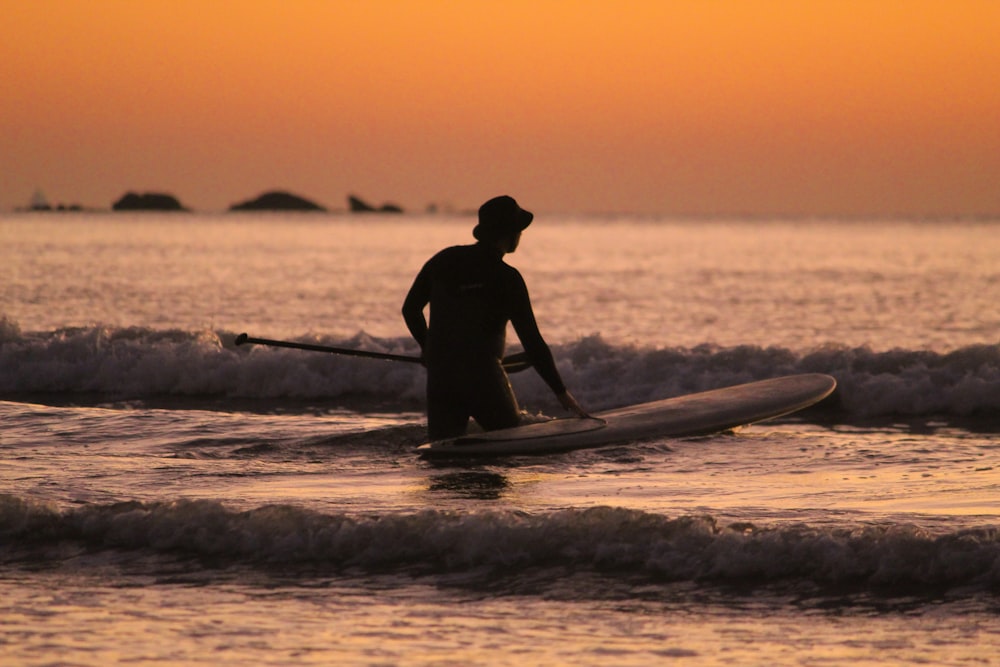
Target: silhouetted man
472,294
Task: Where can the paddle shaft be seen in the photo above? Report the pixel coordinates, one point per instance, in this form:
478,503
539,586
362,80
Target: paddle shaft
243,338
512,364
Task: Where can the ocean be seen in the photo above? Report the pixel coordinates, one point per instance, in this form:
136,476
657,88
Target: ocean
167,497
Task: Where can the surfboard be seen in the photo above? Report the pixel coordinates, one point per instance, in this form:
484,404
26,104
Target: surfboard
682,416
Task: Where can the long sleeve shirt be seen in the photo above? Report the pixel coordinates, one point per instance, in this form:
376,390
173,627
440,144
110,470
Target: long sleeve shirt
472,294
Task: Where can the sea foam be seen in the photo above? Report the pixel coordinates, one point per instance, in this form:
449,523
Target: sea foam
612,542
136,362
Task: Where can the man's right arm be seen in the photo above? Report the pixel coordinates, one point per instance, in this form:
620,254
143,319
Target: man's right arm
413,307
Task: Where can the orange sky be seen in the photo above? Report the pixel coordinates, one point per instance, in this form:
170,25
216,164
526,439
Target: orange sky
691,106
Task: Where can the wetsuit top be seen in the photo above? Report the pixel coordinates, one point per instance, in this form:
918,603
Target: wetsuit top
473,293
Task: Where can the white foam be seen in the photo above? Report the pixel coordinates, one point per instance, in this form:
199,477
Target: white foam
136,362
611,541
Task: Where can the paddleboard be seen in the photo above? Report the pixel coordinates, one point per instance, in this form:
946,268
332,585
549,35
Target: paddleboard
682,416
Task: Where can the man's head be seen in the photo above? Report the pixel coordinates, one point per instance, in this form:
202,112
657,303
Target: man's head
501,218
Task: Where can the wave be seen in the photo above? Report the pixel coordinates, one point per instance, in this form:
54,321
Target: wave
607,541
137,362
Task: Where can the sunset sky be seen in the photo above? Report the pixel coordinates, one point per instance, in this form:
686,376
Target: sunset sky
827,107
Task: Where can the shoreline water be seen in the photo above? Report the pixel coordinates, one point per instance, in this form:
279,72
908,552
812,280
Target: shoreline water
219,505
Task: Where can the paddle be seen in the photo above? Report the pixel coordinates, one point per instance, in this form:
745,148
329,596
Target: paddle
513,363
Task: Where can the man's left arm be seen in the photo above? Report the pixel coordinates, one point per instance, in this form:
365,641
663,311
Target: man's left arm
526,327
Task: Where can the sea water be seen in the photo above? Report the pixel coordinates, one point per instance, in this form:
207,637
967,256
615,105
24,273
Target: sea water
168,497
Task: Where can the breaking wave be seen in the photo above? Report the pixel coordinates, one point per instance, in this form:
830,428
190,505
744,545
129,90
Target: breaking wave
611,542
136,362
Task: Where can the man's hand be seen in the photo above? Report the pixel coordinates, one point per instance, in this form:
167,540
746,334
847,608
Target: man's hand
568,402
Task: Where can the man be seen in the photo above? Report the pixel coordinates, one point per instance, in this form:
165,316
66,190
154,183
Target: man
472,294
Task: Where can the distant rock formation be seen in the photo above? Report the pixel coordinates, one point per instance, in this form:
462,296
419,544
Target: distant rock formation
39,202
147,201
357,205
277,201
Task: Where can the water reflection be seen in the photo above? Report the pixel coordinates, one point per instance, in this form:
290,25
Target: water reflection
475,485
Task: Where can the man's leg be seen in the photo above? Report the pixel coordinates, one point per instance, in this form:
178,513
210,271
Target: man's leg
447,410
491,399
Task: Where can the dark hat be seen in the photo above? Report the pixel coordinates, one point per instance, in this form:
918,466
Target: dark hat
499,217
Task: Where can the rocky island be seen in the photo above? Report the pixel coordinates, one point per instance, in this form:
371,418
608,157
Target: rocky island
357,205
147,201
277,201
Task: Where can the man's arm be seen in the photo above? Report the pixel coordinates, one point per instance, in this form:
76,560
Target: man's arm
523,319
526,327
413,307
